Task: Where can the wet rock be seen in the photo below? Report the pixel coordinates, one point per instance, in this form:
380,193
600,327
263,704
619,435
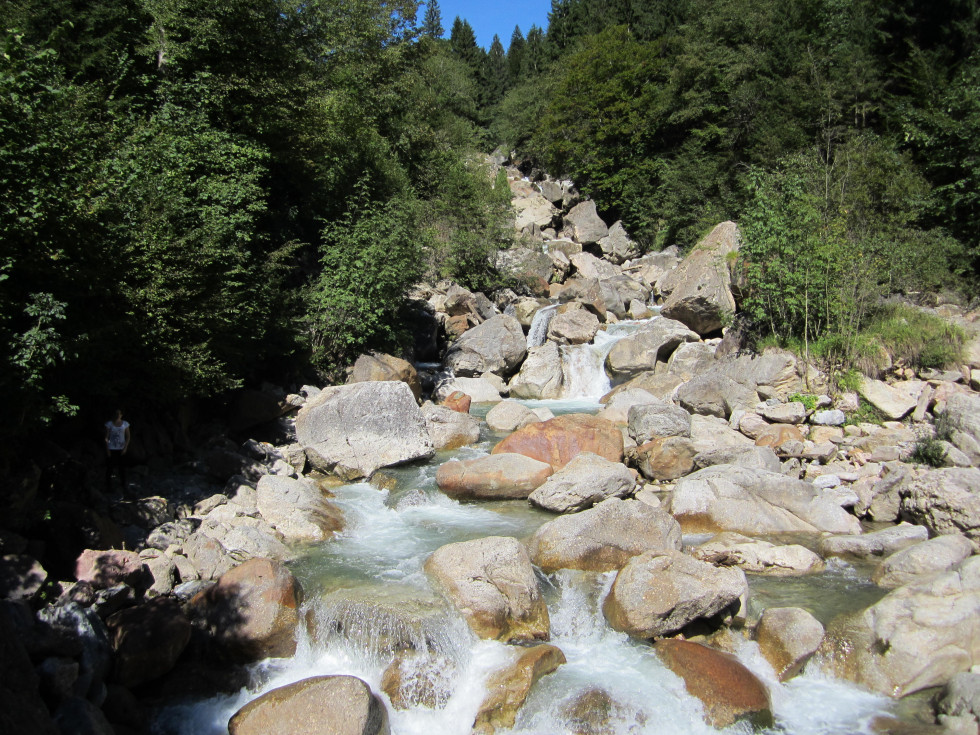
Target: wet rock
659,593
939,554
586,480
657,420
665,458
496,346
497,477
418,680
377,366
450,429
458,401
509,688
353,430
787,638
148,640
604,537
640,351
715,394
757,556
491,582
510,416
729,691
541,375
84,629
945,501
877,543
297,509
559,440
322,705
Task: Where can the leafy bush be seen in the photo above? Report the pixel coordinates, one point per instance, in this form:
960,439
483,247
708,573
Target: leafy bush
808,400
865,414
930,451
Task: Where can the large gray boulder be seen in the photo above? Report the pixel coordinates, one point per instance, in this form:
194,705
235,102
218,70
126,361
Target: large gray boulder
716,394
541,374
586,225
496,346
492,583
648,421
617,246
533,210
658,593
691,359
758,556
699,290
297,509
604,537
617,408
589,266
877,543
639,352
945,501
353,430
963,415
939,554
450,429
586,480
731,498
573,327
894,401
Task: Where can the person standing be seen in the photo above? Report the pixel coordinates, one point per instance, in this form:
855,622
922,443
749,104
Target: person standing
116,444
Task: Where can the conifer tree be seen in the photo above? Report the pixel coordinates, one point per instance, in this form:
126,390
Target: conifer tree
494,73
432,22
515,53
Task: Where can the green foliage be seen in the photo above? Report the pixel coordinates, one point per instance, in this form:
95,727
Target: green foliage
865,414
808,400
432,21
916,338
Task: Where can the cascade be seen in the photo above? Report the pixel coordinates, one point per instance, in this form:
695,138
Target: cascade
538,331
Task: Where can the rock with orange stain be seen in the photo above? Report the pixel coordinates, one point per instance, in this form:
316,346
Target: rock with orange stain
561,439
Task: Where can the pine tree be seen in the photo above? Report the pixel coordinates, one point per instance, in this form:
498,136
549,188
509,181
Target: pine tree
494,73
432,23
515,53
462,43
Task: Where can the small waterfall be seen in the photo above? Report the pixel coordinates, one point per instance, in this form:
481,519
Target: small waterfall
584,366
538,332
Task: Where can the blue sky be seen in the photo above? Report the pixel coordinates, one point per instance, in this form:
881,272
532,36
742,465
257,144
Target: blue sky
495,16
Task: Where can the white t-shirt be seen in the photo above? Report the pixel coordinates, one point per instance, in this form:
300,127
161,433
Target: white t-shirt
117,434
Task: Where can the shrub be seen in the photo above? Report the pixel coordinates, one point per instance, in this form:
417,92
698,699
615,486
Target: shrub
809,401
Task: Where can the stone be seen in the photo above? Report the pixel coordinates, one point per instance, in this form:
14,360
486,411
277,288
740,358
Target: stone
450,429
589,266
729,691
715,394
587,227
885,496
297,509
784,413
752,501
604,537
170,534
353,430
510,416
146,513
710,433
935,555
21,577
162,571
497,477
963,417
834,417
961,697
657,420
322,705
659,593
877,543
22,710
497,346
585,291
206,556
78,715
758,556
761,458
491,582
788,637
508,689
640,351
89,644
541,375
894,401
665,459
574,327
659,385
586,480
752,425
252,610
418,680
477,390
698,292
104,569
148,640
691,359
781,438
560,439
945,501
638,311
377,366
617,246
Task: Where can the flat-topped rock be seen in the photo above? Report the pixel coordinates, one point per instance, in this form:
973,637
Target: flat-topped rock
877,543
936,555
758,556
562,438
497,477
586,480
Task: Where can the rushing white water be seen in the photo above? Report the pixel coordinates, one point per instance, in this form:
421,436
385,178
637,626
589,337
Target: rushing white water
584,366
537,333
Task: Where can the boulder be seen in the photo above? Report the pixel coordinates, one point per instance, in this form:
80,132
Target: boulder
659,385
945,501
758,556
449,429
961,698
894,401
659,593
479,390
322,705
104,569
207,558
877,543
586,225
510,416
22,710
731,498
574,327
833,417
760,458
710,433
560,439
508,689
787,638
21,577
617,246
297,509
783,439
698,292
533,210
793,412
252,610
917,636
458,401
491,582
715,394
939,554
604,537
496,346
589,266
497,477
691,359
773,374
586,480
148,640
617,408
419,680
353,430
729,691
541,374
665,459
656,420
377,366
585,291
963,416
640,352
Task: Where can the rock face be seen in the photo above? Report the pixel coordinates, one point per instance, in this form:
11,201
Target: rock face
586,480
729,691
657,420
757,556
894,401
879,543
496,346
945,501
658,593
148,639
510,416
587,226
603,538
297,509
963,414
497,477
353,430
917,636
574,327
450,429
788,637
929,557
508,689
252,610
540,376
491,582
377,366
560,439
699,291
730,498
323,705
639,352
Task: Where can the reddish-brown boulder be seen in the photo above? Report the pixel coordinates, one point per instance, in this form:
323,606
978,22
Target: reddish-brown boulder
730,691
666,458
497,477
561,439
458,401
777,435
148,640
375,366
104,569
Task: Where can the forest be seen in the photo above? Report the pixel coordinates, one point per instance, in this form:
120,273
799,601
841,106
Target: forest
200,195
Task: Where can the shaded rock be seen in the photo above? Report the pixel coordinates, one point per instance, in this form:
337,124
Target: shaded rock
496,346
540,376
665,458
587,227
586,480
894,401
21,577
658,420
945,501
787,638
499,476
491,582
715,394
939,554
574,327
322,705
604,537
297,509
377,366
757,556
730,498
510,416
170,534
617,246
77,716
353,430
658,593
89,644
162,572
450,429
729,691
251,408
639,352
148,640
21,708
963,414
560,439
509,688
877,543
103,569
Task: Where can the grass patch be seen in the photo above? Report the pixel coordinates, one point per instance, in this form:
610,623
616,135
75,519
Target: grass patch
808,400
915,337
865,414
